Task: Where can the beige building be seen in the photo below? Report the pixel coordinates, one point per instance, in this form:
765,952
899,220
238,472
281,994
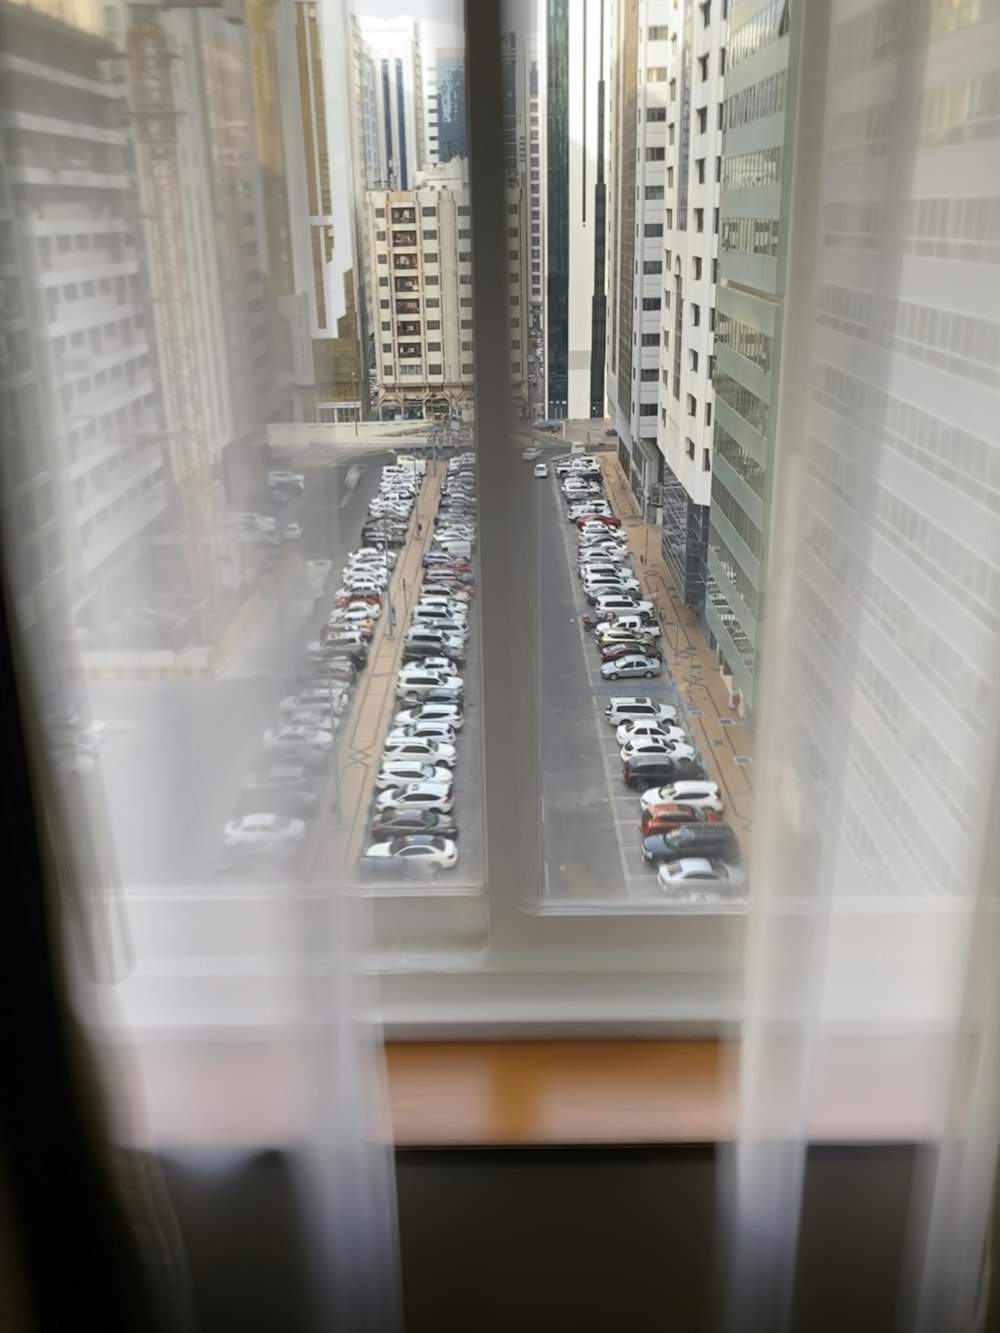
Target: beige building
420,246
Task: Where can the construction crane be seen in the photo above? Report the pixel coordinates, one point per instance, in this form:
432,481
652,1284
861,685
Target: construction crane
155,119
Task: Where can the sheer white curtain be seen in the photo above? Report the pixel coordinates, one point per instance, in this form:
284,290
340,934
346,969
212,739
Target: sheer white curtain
871,1003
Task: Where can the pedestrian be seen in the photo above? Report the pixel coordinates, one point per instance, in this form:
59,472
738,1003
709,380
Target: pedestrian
734,697
420,528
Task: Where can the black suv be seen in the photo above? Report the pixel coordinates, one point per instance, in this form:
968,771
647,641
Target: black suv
716,842
657,770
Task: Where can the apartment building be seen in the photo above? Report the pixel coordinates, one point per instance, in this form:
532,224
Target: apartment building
759,117
421,246
695,86
396,131
577,41
891,703
638,298
77,386
312,166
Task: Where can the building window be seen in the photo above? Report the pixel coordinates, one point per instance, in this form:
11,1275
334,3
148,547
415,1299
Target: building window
702,114
692,405
433,324
706,460
428,212
651,303
434,370
430,235
656,154
647,375
433,347
652,229
699,167
647,409
708,414
696,265
384,281
652,266
703,68
695,314
653,192
689,446
650,340
694,360
699,219
467,367
656,113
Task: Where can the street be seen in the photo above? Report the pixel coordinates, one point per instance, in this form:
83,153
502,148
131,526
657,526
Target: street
177,751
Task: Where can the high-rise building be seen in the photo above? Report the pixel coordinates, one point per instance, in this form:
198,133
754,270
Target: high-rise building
523,78
695,68
304,71
396,94
77,393
759,116
421,258
576,152
449,102
890,705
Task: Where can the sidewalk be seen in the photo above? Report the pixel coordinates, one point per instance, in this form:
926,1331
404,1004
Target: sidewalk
725,742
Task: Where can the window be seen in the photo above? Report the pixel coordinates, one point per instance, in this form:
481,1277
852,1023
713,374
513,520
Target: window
703,68
655,154
702,115
433,347
650,340
695,314
699,219
656,113
647,374
647,409
430,235
694,360
653,192
692,405
433,369
652,229
428,212
696,267
650,303
652,266
699,167
689,447
433,324
706,460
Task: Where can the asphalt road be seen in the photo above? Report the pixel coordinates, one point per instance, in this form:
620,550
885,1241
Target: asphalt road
177,752
589,818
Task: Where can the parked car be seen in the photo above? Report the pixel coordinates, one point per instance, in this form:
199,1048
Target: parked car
393,772
631,731
617,601
657,745
420,853
652,770
430,712
671,815
638,664
416,796
422,749
297,739
290,776
398,823
699,874
417,684
627,708
608,520
612,652
714,841
263,830
699,792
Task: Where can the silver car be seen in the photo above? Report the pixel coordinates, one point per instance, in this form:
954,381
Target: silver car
635,664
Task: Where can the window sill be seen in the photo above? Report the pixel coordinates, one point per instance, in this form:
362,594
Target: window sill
559,1092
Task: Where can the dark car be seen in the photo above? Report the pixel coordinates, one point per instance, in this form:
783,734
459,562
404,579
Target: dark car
440,695
336,647
616,650
397,823
715,842
657,770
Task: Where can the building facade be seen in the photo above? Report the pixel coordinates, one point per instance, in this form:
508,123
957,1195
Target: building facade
77,391
421,247
577,57
395,133
759,117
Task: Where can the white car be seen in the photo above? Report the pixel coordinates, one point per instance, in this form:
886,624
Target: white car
531,452
541,470
298,738
415,686
366,581
645,637
395,772
416,796
627,708
422,850
444,664
631,665
616,602
423,749
263,831
446,601
319,697
628,625
432,712
694,872
292,532
437,733
372,555
656,745
701,795
454,629
633,731
436,611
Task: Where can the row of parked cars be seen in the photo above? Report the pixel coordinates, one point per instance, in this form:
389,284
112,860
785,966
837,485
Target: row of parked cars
284,792
413,830
683,834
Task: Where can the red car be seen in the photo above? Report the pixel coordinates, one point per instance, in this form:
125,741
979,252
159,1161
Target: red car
608,520
663,818
373,599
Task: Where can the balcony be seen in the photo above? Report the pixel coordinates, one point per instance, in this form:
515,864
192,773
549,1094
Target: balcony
407,307
405,261
408,328
406,285
404,215
404,238
409,351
